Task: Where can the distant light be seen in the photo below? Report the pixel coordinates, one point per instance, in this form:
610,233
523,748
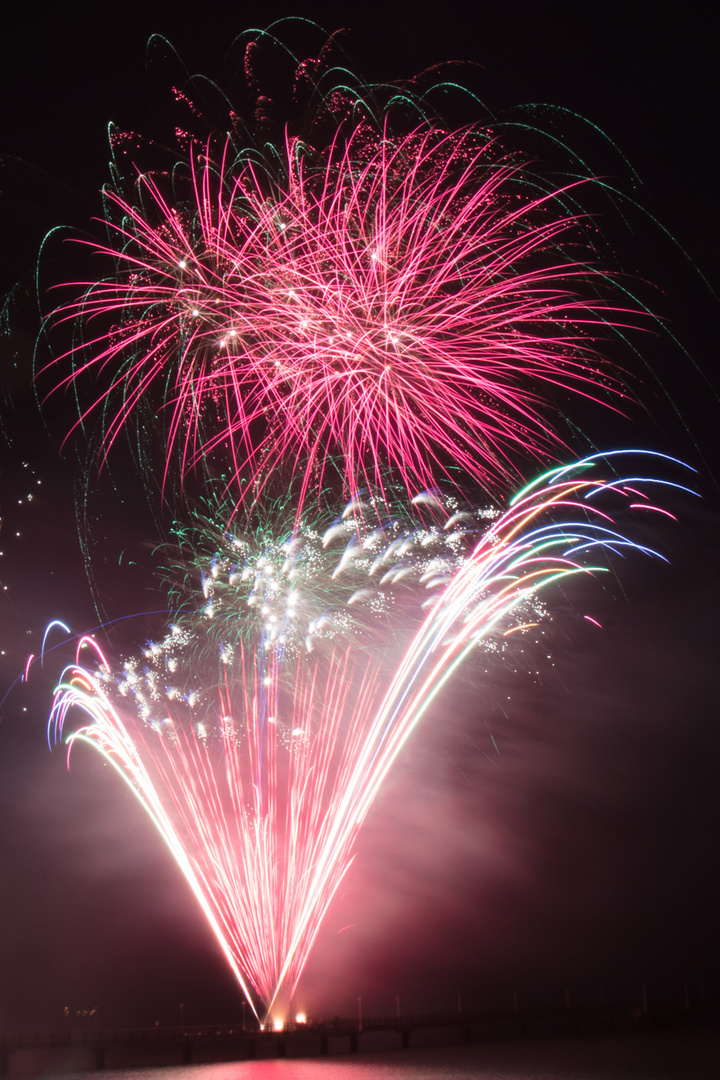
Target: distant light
300,1018
278,1024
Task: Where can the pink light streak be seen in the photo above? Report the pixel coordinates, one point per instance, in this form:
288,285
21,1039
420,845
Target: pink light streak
262,817
400,302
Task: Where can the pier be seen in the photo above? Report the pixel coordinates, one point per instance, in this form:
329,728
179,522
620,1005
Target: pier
192,1043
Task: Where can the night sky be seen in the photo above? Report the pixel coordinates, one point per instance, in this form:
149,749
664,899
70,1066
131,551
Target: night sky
540,831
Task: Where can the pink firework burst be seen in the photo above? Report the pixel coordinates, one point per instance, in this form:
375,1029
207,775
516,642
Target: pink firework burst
404,301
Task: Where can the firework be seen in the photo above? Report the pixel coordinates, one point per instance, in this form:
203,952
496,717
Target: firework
288,589
340,309
259,788
316,309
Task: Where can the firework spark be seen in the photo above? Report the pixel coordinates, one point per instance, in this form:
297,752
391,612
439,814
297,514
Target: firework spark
318,310
293,589
259,788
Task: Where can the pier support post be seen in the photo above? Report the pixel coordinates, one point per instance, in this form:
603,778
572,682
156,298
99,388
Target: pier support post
4,1061
187,1051
99,1057
353,1043
406,1039
324,1045
250,1049
281,1048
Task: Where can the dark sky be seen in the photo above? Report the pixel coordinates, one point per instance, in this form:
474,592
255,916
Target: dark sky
579,850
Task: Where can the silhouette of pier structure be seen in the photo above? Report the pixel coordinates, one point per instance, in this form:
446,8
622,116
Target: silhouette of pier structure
98,1049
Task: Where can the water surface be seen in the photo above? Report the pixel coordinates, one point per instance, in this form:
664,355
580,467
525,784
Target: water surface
671,1055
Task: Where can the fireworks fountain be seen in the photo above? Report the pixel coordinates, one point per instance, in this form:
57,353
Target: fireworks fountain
325,305
259,780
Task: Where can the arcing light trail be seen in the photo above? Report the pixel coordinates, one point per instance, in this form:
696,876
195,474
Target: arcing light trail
318,311
260,790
